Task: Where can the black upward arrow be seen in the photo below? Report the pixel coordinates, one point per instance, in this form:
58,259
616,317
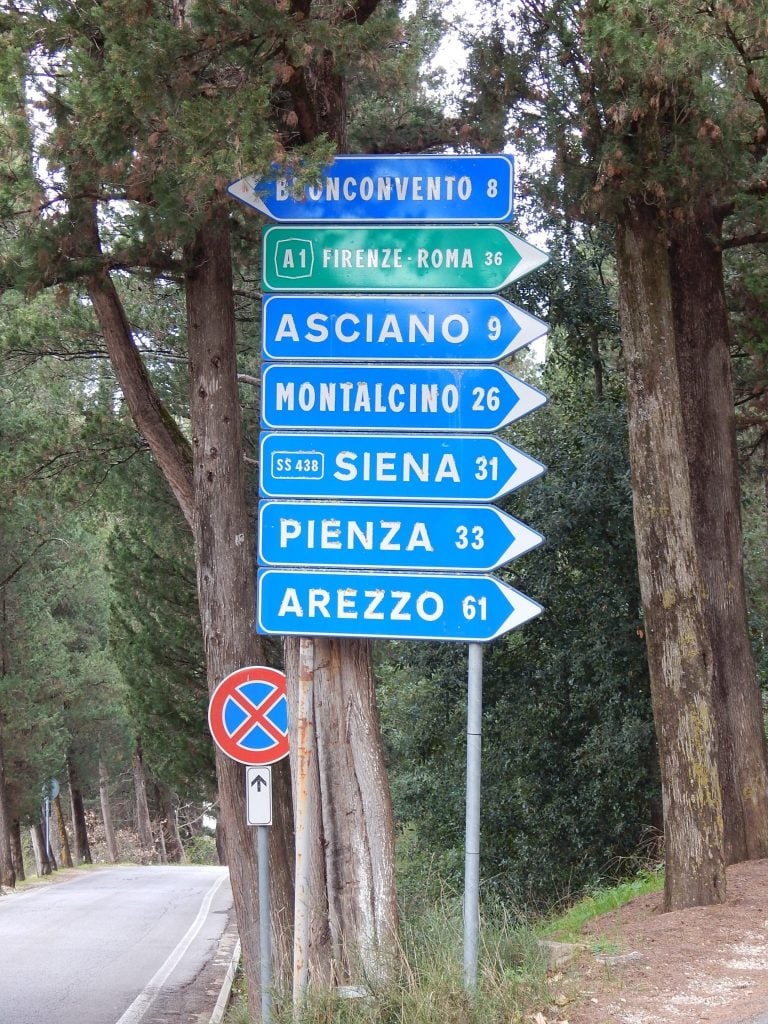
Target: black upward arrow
258,782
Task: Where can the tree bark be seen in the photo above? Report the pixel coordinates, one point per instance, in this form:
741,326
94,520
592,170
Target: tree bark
16,853
65,854
42,861
106,813
162,851
316,960
170,825
357,820
7,871
225,576
354,916
143,819
672,583
79,829
354,844
157,426
704,366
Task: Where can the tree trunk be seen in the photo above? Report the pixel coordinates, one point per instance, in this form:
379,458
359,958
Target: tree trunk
106,813
157,426
79,829
143,820
225,577
162,851
7,871
170,825
313,952
354,843
16,852
704,366
42,861
357,821
352,863
65,854
672,584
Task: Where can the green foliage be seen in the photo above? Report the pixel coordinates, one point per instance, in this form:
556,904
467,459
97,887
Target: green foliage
656,100
201,850
59,691
155,630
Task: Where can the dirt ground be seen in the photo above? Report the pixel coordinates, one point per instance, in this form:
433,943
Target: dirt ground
707,965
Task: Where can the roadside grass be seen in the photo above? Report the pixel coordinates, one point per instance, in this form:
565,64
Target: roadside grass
426,985
567,926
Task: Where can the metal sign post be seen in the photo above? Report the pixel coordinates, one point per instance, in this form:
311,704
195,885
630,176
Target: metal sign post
472,830
248,720
265,928
258,795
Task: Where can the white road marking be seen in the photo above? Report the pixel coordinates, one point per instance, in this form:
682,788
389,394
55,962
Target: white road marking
144,1000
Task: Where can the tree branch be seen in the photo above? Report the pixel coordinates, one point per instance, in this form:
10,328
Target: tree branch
756,238
170,448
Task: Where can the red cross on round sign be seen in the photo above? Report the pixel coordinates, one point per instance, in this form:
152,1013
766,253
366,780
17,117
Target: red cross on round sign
248,715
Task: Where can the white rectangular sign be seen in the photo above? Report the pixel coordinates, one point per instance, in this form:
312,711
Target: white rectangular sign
258,793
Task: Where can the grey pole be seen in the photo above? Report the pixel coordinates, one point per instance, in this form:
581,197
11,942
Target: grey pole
304,824
472,834
265,935
47,816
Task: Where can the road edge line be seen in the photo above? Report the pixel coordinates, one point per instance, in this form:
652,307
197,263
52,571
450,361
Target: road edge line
226,988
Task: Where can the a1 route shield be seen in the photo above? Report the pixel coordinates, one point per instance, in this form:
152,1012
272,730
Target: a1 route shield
401,258
388,535
389,605
319,396
248,715
434,328
407,467
391,187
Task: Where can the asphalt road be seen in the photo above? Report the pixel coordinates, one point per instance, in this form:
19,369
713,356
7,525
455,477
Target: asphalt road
126,945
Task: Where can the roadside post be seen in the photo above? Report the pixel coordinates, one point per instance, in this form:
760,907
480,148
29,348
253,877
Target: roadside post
381,397
248,720
51,790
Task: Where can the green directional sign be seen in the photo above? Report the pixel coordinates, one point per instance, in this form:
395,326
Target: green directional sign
397,258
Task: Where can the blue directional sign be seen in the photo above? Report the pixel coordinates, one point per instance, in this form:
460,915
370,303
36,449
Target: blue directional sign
418,467
319,396
438,328
389,605
390,188
362,535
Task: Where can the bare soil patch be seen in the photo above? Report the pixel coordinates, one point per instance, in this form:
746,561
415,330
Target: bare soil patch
706,965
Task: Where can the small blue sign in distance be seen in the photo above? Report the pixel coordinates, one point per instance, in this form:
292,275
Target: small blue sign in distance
319,396
391,467
471,608
396,187
385,535
435,328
